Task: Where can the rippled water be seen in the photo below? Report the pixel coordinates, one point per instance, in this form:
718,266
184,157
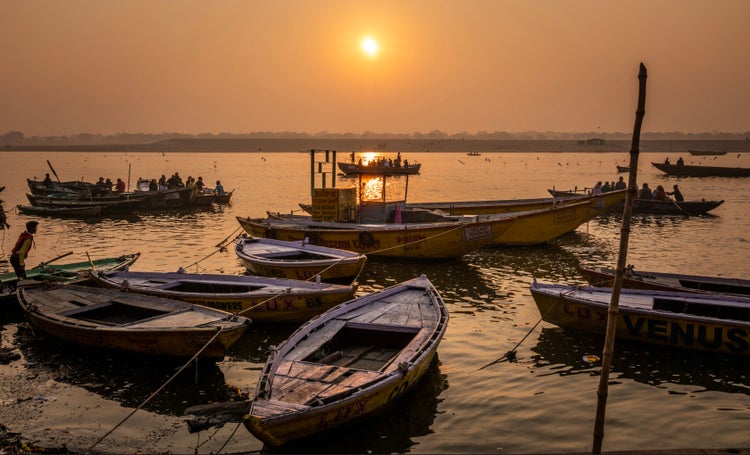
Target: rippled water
543,402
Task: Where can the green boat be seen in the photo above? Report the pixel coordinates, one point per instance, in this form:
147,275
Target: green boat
67,273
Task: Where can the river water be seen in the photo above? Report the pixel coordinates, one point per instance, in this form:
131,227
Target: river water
543,402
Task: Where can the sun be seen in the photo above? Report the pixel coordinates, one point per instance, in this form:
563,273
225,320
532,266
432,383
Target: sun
370,46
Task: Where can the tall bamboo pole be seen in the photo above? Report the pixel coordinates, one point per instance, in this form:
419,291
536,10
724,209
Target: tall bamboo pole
614,304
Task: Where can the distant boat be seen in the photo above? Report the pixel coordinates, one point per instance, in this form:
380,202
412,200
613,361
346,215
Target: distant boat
685,170
623,168
72,212
706,152
473,153
374,168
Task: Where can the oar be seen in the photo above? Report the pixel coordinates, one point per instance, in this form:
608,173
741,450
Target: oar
93,267
55,258
53,170
679,208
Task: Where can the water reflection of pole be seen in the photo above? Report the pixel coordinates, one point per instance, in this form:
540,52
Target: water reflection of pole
613,312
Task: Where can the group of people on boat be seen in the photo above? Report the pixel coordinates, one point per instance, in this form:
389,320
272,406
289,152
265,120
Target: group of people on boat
606,187
680,161
175,181
660,194
383,162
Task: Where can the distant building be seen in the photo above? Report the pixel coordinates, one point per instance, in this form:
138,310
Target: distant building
593,141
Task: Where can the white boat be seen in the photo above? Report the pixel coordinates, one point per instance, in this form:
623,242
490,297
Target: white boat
298,260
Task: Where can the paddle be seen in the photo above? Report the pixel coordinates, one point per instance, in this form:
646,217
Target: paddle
54,259
93,267
53,170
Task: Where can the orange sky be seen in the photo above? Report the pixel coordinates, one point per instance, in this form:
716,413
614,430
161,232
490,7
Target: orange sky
189,66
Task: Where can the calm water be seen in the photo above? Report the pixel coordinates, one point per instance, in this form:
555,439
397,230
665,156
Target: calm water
544,402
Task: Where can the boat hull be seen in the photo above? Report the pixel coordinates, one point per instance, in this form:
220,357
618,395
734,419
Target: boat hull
101,318
299,260
586,309
686,170
445,240
264,300
657,281
353,169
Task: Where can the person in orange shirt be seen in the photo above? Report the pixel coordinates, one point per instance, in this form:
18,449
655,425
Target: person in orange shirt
21,251
120,187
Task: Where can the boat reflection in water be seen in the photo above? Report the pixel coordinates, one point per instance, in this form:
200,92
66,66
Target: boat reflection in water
677,371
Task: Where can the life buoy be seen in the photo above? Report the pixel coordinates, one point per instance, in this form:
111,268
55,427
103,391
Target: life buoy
366,238
312,237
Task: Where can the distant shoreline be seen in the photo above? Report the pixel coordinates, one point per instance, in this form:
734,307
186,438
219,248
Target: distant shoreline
396,145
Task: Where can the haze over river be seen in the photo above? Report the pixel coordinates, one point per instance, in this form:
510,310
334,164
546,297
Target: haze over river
543,402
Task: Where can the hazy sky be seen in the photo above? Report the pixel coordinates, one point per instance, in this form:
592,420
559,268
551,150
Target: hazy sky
212,66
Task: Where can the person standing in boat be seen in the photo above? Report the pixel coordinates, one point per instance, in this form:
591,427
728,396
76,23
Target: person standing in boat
219,188
677,194
21,250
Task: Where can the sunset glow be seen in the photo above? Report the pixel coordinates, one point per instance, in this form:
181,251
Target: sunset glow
370,46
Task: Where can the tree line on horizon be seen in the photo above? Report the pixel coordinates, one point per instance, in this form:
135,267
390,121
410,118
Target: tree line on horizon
18,137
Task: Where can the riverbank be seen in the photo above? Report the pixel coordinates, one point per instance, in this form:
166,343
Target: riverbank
398,145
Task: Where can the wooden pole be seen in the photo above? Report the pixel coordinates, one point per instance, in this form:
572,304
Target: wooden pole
613,312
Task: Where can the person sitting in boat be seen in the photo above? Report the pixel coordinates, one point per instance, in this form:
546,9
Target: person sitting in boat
597,189
620,185
100,181
200,184
120,186
677,194
606,188
666,160
680,162
47,181
153,186
219,188
162,182
660,194
645,192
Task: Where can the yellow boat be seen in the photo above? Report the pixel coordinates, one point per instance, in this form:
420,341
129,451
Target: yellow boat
432,240
539,226
487,207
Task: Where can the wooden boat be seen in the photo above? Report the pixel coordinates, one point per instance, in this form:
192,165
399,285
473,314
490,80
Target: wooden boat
700,322
224,198
348,363
77,187
130,322
670,207
473,153
68,273
426,240
298,260
105,206
373,168
605,200
660,281
685,170
623,168
654,207
263,299
76,212
706,152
